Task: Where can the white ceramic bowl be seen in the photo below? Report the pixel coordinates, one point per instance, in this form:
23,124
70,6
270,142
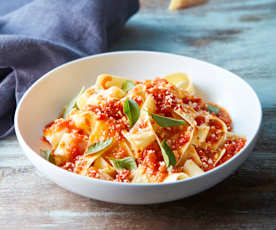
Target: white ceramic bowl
45,99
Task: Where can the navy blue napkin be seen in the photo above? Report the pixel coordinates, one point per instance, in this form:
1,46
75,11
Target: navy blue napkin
43,34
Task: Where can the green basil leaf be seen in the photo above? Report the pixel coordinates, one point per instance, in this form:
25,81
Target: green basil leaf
131,109
72,104
167,121
128,85
213,109
168,154
49,157
124,163
99,146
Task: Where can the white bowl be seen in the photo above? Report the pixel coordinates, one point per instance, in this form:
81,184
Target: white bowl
45,99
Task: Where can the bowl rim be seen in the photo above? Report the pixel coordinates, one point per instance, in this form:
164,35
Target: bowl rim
94,180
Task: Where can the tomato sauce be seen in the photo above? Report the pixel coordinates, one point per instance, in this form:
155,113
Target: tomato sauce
143,125
150,161
77,148
181,140
206,157
215,132
232,147
224,116
106,110
194,102
123,176
200,120
163,94
61,124
152,158
161,173
93,172
139,100
116,127
117,151
43,138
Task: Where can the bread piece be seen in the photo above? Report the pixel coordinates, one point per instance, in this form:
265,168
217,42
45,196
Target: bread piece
180,4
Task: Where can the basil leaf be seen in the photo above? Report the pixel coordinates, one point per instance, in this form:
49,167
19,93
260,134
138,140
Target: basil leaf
128,85
213,109
132,111
124,163
72,104
168,154
99,146
49,157
167,121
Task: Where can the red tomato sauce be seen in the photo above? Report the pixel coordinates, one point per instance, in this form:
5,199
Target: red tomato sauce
116,127
111,109
180,141
207,158
123,176
93,172
117,151
70,166
215,132
43,138
194,102
151,158
232,147
200,120
61,124
139,100
224,116
77,149
143,124
161,173
163,94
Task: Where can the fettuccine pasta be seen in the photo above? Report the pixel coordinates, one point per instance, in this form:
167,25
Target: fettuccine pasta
141,132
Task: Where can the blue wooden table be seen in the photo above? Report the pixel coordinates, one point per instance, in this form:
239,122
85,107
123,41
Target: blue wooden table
239,35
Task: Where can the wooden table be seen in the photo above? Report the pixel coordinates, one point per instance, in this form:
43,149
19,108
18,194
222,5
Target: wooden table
237,35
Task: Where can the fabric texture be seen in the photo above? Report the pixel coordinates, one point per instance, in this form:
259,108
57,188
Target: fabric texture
42,34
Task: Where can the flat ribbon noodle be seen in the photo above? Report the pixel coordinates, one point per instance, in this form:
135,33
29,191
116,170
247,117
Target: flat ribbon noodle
142,134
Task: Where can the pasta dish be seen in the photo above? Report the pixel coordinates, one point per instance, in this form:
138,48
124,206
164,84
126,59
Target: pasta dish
141,132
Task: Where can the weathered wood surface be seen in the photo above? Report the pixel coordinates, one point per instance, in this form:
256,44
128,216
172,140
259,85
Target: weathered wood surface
237,35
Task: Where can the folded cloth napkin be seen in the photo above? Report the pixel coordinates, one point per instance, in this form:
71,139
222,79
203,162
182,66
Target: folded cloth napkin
43,34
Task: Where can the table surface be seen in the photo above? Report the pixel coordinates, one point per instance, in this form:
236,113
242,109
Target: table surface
237,35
